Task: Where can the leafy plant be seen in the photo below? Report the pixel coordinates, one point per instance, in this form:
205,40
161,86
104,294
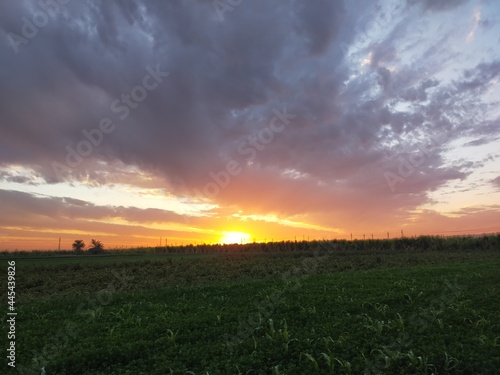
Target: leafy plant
78,246
97,247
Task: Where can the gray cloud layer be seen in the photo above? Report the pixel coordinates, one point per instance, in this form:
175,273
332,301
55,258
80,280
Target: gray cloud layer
225,79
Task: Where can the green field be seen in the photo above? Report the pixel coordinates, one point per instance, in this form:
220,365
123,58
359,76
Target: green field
319,310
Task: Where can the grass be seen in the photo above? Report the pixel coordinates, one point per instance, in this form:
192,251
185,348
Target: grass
108,258
352,312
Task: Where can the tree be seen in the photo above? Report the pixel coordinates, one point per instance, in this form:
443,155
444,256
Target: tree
97,247
78,246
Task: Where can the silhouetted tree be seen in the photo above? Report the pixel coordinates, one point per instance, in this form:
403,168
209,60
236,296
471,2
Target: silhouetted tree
97,247
78,246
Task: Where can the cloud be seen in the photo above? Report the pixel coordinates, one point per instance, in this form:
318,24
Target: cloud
11,177
480,141
19,206
320,24
177,128
437,5
477,79
496,181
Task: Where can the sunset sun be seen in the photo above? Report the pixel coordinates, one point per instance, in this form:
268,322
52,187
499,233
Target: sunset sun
234,237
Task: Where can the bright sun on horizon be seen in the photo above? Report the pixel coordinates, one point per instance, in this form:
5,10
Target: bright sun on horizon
234,237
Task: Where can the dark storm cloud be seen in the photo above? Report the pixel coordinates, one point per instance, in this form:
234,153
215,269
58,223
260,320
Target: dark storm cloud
91,53
320,23
225,78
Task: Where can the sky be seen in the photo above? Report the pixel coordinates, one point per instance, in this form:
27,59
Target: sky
140,123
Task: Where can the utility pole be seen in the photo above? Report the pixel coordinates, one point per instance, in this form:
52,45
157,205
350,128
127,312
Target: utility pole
402,235
387,235
364,238
59,248
351,236
372,236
